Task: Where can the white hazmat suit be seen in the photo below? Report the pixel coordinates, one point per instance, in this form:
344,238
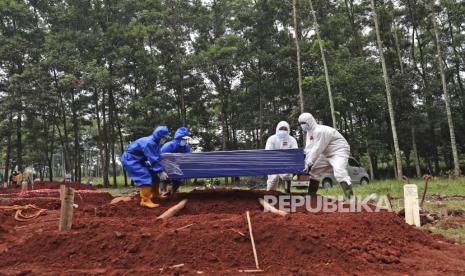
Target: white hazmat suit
280,140
326,148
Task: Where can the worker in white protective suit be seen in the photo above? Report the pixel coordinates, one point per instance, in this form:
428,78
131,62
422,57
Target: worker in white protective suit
281,140
325,149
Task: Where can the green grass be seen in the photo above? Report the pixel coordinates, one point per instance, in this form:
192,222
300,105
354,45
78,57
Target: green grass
457,234
395,188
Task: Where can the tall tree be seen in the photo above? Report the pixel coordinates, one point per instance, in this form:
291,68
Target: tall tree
388,93
325,66
450,121
297,47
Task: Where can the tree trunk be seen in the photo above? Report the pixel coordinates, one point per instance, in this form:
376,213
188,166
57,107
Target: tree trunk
100,143
19,144
399,56
428,96
8,147
415,153
323,58
65,127
372,174
106,160
446,98
120,134
181,92
457,67
260,103
388,95
297,45
111,115
77,154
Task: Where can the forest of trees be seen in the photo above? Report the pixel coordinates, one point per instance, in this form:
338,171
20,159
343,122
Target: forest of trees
83,78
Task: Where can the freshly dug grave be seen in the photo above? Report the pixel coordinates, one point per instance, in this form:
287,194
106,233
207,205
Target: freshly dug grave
214,239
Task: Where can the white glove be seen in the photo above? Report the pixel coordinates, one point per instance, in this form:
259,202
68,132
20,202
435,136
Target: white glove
163,176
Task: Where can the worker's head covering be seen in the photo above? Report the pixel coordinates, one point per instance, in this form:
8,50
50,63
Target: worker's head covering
308,120
161,132
280,132
182,133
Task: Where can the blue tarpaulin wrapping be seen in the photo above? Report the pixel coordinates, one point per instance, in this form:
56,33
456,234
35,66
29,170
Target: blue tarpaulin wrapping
233,163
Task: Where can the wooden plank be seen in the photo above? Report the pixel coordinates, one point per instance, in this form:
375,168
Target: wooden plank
173,210
270,208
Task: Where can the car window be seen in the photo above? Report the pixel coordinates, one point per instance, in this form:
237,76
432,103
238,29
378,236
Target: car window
353,163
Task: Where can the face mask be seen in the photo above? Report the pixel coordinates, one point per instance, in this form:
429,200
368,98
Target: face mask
183,143
282,134
305,127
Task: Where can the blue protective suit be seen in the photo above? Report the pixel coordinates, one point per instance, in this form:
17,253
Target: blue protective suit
174,146
141,159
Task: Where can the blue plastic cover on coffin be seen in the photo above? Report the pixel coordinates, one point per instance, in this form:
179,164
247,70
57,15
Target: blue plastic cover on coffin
233,163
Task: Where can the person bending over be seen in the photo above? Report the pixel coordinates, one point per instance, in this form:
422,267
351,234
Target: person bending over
326,149
141,160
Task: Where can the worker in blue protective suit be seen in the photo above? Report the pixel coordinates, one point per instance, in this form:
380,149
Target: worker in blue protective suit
178,145
141,160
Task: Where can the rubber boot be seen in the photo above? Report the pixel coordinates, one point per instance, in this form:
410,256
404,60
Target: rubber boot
146,197
313,187
156,191
347,190
287,186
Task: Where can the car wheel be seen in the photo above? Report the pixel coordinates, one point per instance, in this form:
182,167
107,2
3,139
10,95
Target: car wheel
327,183
364,181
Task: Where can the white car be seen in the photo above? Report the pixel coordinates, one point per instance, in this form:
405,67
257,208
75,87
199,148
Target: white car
357,173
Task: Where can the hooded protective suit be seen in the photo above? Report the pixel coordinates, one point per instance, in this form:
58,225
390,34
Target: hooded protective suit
175,146
280,140
141,160
326,148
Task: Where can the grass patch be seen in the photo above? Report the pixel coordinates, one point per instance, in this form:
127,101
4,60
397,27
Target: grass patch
456,234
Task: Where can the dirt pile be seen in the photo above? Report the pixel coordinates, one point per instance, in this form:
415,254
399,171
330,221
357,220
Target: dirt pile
57,184
47,195
210,236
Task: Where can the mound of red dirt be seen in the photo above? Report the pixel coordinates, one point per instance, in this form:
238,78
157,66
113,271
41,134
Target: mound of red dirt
210,236
39,185
57,184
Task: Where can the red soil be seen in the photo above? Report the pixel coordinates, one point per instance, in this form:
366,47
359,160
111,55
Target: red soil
125,239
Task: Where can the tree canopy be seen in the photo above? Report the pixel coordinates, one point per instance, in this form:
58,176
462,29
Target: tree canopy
80,79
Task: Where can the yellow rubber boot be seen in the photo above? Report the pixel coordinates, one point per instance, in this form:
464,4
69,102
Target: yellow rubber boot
146,197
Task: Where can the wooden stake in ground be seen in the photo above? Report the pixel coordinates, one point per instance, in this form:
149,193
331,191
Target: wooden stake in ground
412,209
252,239
270,208
66,211
173,210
